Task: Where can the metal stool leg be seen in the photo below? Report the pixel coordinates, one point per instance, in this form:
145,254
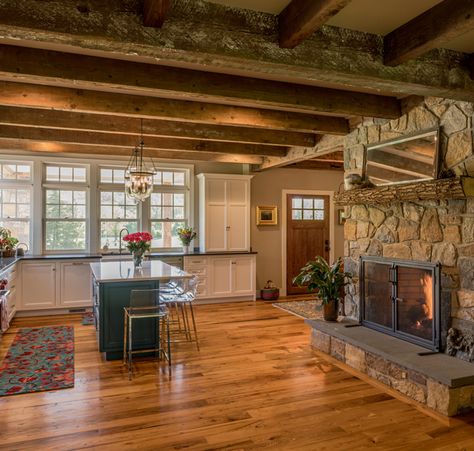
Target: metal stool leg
194,325
130,348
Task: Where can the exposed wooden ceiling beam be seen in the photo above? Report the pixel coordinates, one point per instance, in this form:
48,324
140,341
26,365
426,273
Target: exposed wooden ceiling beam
36,117
318,165
155,12
27,95
129,141
86,72
301,18
327,144
246,45
431,29
87,149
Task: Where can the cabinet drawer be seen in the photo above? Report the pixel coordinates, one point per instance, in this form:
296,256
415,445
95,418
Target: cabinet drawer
195,261
201,272
202,287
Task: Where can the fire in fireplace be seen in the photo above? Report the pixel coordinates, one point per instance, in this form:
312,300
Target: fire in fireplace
401,298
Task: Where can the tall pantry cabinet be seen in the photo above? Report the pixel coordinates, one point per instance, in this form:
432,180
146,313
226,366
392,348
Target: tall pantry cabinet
224,212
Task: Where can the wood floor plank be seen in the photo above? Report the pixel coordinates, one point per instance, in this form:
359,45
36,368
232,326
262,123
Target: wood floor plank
256,383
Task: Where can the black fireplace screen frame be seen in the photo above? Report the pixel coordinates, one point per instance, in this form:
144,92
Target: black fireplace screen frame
393,264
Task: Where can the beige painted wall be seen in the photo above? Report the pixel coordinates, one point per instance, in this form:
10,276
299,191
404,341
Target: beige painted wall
267,189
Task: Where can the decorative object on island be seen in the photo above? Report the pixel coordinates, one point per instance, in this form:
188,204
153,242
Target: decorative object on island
139,175
269,292
186,235
267,215
138,243
328,279
7,243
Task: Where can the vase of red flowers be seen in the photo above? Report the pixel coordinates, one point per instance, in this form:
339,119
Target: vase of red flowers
138,243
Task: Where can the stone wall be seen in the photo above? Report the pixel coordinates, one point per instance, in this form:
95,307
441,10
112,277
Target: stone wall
431,230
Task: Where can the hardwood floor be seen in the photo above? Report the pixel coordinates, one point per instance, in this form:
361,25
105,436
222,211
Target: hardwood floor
256,383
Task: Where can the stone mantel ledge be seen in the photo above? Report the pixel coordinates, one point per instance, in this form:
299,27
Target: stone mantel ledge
449,188
440,382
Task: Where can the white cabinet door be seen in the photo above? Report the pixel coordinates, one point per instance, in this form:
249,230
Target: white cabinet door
38,285
216,239
221,276
237,215
243,275
76,286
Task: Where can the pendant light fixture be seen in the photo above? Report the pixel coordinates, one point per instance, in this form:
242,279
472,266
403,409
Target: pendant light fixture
139,174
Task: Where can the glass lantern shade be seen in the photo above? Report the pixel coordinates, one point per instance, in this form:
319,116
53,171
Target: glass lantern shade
139,184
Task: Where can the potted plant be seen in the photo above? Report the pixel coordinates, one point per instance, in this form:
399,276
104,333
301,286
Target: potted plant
186,235
270,292
328,280
138,243
7,242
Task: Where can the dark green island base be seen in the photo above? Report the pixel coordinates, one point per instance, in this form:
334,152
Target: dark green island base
112,283
110,298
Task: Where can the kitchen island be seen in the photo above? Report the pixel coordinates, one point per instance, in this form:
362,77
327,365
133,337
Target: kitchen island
112,283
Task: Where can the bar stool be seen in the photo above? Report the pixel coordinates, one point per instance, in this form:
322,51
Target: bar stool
179,296
145,304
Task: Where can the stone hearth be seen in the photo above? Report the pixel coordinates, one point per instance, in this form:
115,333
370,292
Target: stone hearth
442,383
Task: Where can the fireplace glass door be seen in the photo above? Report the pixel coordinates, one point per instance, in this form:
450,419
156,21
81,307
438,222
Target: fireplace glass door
401,298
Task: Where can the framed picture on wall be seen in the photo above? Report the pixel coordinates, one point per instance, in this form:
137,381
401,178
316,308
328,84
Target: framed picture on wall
267,215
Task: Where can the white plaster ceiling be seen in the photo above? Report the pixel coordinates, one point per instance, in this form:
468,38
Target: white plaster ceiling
370,16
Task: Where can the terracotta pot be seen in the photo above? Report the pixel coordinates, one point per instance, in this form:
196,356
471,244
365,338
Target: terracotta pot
330,311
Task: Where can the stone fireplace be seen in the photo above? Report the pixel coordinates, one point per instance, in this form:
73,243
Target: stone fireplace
438,230
401,298
410,250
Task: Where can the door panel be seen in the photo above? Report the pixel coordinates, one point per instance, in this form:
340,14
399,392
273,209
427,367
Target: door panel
243,275
307,234
237,231
76,289
38,285
216,234
221,275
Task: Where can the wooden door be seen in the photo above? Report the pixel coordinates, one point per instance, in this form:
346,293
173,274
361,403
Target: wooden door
307,234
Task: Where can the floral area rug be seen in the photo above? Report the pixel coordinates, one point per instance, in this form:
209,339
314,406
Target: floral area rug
309,309
39,359
88,319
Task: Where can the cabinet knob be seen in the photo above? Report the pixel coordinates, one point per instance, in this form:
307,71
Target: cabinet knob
227,227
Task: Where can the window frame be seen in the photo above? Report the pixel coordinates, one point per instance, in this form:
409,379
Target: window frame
65,186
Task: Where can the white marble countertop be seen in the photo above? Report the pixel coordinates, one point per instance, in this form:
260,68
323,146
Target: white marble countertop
122,271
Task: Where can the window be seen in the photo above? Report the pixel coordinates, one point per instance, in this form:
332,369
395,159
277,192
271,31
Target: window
169,178
65,207
15,212
15,199
167,215
15,171
116,212
307,209
109,175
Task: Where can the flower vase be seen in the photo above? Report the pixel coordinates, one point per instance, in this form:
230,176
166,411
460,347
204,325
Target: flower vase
137,259
186,248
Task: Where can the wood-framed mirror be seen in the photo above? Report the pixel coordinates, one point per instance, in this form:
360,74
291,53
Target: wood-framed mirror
406,159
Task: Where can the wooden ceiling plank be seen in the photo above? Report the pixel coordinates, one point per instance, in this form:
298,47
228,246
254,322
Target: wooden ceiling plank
246,45
155,12
431,29
67,99
36,117
88,72
130,141
301,18
88,149
327,144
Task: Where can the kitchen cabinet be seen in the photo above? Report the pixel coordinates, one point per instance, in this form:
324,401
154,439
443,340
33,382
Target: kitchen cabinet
11,275
224,212
223,277
39,287
75,286
55,284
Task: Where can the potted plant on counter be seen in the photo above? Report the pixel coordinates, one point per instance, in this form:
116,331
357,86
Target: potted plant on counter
328,280
186,235
138,243
7,242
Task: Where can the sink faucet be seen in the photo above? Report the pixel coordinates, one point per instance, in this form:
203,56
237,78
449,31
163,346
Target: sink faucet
120,238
